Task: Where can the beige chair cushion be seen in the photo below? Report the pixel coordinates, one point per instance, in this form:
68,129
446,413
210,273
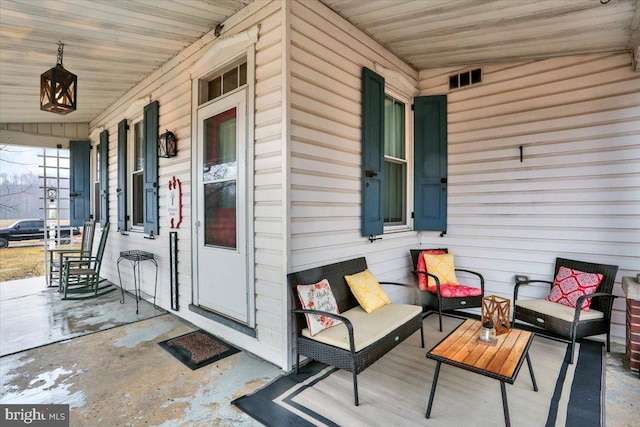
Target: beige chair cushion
557,310
367,327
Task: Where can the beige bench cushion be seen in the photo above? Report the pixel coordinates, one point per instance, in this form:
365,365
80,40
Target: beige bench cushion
560,311
367,327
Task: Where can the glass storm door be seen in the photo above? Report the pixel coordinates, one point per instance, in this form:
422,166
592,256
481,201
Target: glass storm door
221,225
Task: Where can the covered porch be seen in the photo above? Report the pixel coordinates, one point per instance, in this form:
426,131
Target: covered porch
538,152
103,360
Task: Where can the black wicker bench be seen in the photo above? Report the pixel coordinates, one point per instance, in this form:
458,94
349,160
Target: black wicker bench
351,356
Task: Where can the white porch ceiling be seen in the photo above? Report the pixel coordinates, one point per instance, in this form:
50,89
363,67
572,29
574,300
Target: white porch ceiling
111,45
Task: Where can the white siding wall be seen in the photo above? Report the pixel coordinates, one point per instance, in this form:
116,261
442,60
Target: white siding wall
171,86
327,56
577,192
46,135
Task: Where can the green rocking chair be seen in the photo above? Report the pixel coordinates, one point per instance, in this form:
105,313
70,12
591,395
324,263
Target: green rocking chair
81,274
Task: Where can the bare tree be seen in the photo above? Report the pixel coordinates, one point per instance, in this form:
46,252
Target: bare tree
18,191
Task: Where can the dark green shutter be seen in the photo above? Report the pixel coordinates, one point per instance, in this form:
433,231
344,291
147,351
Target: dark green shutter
372,152
122,175
79,182
104,177
151,213
430,174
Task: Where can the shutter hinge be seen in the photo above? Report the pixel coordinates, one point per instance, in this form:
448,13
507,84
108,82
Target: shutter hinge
413,107
413,215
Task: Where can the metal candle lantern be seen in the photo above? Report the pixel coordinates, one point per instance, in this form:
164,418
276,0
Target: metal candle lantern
488,333
58,88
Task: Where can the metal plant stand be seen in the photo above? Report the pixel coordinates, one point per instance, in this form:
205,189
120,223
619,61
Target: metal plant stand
136,257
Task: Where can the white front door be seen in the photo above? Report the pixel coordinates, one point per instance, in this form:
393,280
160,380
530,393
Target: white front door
222,205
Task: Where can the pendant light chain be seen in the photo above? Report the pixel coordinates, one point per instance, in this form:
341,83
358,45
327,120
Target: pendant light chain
60,52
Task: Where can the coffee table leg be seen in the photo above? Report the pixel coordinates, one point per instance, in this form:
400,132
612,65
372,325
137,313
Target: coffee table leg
505,406
433,389
533,378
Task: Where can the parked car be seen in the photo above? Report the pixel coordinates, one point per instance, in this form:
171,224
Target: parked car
31,229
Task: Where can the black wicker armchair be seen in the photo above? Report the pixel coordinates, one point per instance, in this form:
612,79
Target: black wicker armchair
568,322
431,301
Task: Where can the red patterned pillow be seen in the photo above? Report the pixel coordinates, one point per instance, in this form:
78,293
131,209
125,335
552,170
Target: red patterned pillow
456,291
571,284
318,296
422,266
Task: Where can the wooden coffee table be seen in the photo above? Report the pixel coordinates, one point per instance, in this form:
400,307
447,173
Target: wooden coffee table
502,361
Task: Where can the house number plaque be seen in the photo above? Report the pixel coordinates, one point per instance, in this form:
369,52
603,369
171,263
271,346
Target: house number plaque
174,204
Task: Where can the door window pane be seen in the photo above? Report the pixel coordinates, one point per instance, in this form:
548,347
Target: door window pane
220,214
220,170
220,146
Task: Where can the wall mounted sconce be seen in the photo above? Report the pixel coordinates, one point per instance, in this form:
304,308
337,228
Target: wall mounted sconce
58,88
167,145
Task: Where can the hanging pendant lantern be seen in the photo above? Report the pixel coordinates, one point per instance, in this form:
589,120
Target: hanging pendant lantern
58,88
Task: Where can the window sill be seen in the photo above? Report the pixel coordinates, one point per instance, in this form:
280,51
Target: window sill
397,229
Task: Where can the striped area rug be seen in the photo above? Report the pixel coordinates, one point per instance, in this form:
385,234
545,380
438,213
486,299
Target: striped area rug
394,391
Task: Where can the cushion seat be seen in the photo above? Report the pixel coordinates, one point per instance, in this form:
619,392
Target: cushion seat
456,291
556,310
368,327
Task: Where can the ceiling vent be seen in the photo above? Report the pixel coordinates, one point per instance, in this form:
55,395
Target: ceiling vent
466,78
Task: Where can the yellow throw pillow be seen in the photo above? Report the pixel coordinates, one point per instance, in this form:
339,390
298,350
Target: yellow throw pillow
367,291
441,266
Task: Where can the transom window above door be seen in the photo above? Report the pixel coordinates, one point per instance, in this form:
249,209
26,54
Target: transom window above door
223,82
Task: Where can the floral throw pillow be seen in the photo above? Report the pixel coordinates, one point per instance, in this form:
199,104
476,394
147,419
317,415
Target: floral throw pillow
422,266
318,296
571,284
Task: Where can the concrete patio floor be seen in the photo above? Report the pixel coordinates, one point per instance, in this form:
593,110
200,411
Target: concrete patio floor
103,360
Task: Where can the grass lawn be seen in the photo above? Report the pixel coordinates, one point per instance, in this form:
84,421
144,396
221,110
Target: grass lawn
21,262
23,259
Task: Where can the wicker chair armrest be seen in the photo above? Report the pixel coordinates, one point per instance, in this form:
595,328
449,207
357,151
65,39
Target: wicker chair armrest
432,276
581,299
527,282
480,276
347,322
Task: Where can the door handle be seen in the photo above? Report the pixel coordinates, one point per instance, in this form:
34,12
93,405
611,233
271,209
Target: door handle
443,180
370,174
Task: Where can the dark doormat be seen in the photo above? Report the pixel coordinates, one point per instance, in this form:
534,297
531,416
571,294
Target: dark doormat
198,348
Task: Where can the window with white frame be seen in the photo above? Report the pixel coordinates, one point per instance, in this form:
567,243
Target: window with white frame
96,187
396,161
136,174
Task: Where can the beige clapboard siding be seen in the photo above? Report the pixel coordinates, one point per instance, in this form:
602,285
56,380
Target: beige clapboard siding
268,188
171,86
327,56
577,192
